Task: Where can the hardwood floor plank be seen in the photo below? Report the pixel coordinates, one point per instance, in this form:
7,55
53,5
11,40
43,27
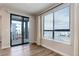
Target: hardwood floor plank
28,50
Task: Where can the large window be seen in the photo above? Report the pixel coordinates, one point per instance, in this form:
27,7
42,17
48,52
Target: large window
56,26
48,26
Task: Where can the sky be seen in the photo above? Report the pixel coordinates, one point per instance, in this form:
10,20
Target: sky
61,19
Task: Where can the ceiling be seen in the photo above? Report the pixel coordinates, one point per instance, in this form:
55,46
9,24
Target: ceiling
30,8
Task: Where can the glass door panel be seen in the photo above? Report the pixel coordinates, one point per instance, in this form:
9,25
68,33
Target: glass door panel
16,32
26,39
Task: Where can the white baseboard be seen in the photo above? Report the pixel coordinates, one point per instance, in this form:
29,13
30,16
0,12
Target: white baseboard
35,42
4,47
32,42
0,41
56,51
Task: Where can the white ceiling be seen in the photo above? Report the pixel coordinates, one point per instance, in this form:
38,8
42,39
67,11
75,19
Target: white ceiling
31,8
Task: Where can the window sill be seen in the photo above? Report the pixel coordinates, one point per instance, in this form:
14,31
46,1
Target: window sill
61,42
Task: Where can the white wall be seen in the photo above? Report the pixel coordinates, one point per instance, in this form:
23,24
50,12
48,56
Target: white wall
60,47
0,29
5,30
38,36
78,30
77,25
32,30
5,26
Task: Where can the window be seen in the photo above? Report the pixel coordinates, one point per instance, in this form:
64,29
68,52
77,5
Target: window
56,26
48,26
61,28
61,18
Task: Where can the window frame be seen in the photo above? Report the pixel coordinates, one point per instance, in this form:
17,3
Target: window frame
43,26
53,31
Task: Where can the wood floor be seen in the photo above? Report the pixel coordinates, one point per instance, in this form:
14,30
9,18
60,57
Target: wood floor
28,50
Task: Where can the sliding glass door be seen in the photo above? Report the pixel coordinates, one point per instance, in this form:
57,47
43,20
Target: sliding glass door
25,30
19,30
16,32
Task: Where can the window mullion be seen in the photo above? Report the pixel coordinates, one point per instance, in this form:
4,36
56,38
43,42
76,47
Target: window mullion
53,25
